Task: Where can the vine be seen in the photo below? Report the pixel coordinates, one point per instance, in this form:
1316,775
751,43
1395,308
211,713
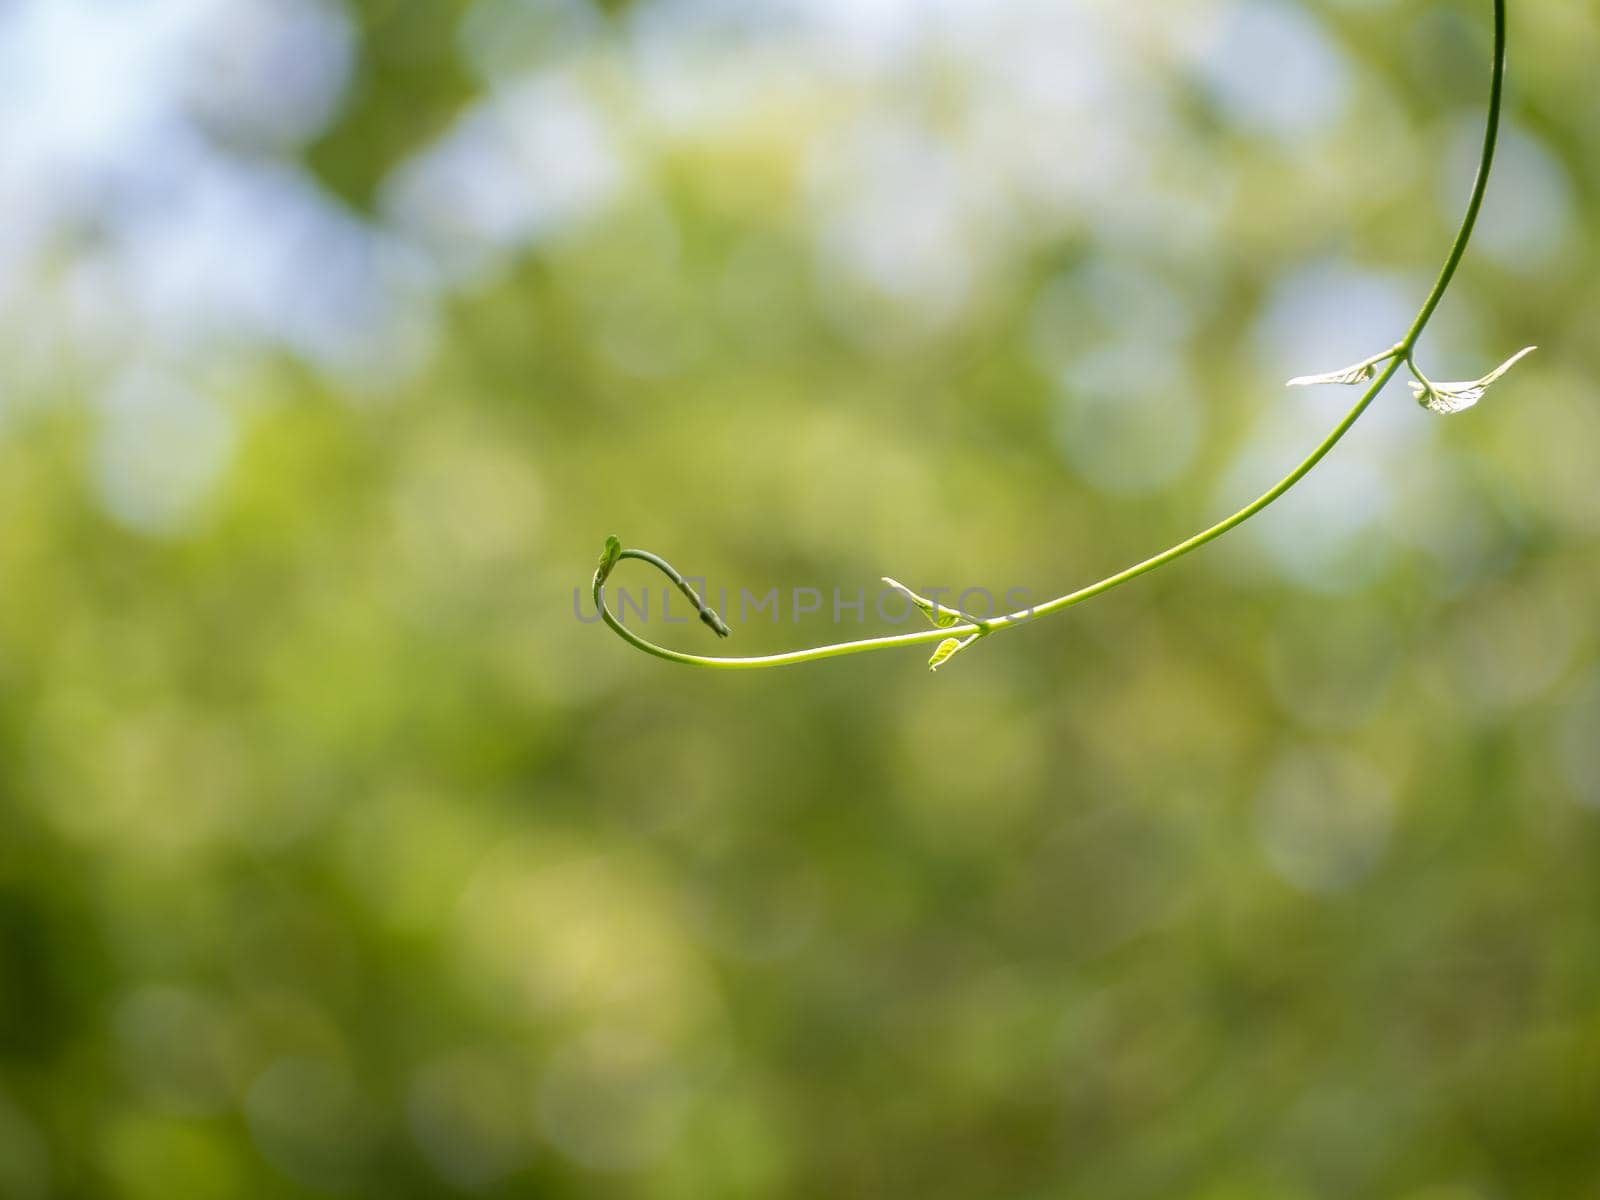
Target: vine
954,630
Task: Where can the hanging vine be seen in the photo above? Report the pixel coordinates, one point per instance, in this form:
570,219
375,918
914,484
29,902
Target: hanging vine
954,630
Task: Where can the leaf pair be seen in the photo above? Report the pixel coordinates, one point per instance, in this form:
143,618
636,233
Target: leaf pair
942,618
1442,398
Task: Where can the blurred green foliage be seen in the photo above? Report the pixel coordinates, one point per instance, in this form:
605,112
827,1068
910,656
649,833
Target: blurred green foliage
339,857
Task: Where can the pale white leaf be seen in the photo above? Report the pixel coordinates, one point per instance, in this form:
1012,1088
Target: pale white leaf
1355,373
1458,396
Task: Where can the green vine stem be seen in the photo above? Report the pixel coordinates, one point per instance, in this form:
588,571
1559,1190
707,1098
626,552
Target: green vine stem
955,631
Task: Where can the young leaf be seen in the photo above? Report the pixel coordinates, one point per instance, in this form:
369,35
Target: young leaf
608,559
941,617
1355,373
1446,398
947,650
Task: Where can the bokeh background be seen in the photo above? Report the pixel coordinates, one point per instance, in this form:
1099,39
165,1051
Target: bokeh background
339,857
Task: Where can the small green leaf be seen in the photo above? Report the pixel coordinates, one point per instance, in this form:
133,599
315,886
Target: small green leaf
948,649
608,559
940,616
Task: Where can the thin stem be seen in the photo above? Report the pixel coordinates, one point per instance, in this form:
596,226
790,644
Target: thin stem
1400,353
1238,518
1480,185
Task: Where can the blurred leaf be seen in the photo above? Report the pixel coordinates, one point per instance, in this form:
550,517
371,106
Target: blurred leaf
409,85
